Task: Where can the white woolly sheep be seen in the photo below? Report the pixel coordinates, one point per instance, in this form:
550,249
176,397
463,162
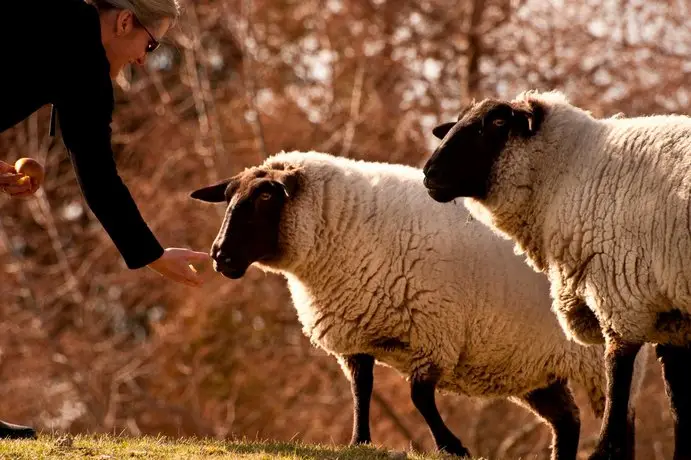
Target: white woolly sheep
602,207
378,271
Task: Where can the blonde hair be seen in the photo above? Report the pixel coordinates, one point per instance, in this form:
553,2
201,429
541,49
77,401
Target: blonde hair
148,12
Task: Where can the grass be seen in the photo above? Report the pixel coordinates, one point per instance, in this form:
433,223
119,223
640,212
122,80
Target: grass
105,447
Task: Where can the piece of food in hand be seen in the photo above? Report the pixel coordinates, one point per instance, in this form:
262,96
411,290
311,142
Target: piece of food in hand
32,170
200,269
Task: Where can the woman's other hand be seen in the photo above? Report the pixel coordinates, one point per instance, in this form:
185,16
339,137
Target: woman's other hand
19,185
9,179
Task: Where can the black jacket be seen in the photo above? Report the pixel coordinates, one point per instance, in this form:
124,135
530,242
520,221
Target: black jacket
51,53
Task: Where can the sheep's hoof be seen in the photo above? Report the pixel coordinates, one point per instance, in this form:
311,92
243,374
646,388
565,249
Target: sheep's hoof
360,441
456,448
600,456
608,454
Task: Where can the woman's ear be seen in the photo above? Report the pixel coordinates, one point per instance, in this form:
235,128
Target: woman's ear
124,22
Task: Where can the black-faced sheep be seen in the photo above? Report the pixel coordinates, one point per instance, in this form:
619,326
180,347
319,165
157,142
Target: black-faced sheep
602,207
378,271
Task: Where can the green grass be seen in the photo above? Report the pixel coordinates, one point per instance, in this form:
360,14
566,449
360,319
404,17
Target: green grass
103,447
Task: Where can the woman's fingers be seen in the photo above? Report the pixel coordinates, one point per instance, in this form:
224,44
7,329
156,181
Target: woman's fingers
6,168
9,178
16,190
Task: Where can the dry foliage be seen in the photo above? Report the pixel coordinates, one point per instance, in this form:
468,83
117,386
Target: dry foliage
88,346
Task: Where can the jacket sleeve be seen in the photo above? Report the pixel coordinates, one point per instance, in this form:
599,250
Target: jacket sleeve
84,112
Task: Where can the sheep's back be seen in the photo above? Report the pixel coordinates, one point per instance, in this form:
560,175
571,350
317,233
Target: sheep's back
617,229
423,284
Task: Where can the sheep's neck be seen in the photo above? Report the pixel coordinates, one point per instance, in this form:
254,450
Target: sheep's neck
519,204
338,233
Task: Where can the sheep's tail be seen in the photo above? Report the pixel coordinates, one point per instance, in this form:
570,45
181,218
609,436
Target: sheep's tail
595,381
639,370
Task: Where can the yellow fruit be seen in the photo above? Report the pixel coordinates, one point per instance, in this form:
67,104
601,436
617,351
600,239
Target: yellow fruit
31,168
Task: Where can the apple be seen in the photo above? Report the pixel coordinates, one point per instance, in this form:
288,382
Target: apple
32,171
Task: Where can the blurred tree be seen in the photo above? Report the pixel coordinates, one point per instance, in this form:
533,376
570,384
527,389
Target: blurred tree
86,345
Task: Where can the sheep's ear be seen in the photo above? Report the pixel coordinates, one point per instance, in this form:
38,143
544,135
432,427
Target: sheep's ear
527,118
290,181
441,130
215,193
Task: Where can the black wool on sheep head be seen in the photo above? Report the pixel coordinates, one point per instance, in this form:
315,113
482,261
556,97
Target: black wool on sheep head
462,164
250,229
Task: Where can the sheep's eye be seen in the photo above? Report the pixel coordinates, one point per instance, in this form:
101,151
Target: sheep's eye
265,196
499,122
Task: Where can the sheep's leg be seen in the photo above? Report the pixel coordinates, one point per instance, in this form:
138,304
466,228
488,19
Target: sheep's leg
361,369
11,431
614,442
675,370
631,435
556,406
422,390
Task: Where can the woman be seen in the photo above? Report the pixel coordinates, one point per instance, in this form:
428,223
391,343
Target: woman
65,52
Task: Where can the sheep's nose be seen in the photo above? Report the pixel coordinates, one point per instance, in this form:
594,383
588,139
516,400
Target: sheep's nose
221,263
432,176
432,170
215,251
219,256
427,167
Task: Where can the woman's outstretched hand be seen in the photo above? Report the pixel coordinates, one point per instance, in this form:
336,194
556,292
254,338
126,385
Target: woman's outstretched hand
175,265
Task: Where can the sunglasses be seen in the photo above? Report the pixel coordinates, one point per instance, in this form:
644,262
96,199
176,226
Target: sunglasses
153,43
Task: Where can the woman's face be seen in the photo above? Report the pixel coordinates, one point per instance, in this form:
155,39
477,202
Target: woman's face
129,40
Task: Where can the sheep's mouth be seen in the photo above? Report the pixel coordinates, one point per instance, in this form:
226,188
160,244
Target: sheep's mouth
442,194
232,272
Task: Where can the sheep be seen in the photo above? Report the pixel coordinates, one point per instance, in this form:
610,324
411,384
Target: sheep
602,207
377,271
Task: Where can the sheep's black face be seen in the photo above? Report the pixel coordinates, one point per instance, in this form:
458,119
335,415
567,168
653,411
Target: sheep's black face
462,164
250,228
